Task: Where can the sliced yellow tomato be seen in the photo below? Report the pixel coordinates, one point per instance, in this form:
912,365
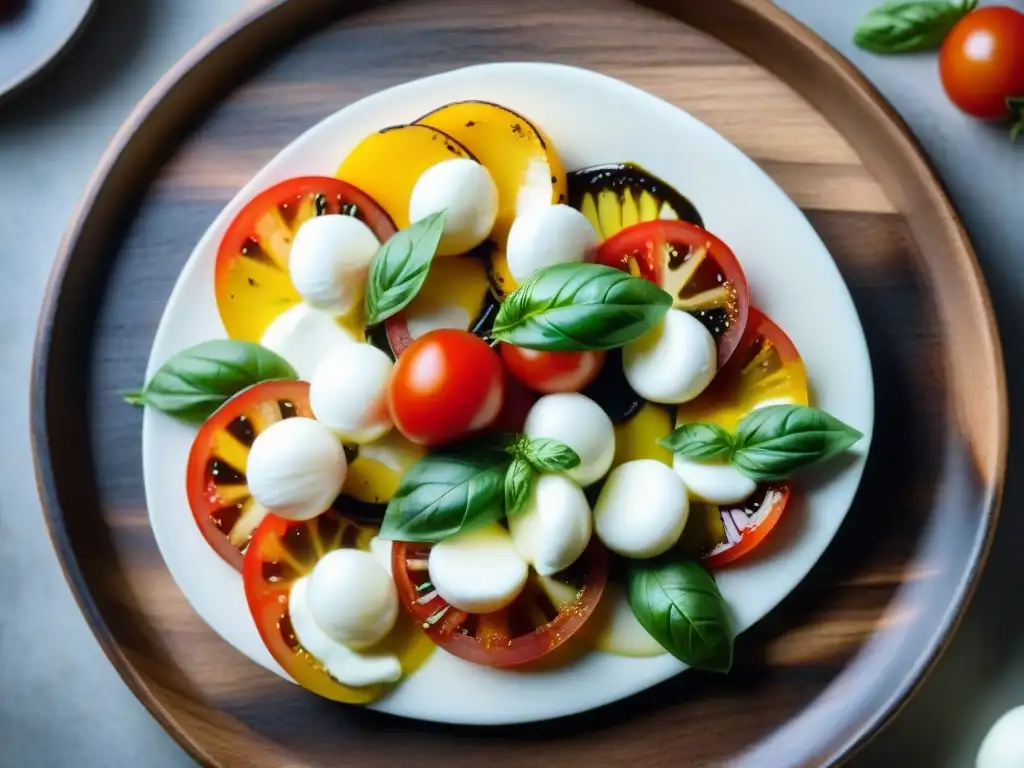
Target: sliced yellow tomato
456,294
387,164
637,437
374,473
520,157
251,279
765,369
281,553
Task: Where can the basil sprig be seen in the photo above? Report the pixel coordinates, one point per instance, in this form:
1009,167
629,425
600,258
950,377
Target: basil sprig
471,485
197,381
518,482
771,443
579,307
544,454
680,606
907,26
400,267
1016,106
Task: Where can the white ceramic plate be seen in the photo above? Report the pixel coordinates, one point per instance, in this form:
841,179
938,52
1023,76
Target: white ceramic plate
591,119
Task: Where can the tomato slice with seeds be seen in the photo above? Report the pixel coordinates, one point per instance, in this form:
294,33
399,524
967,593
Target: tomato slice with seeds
281,553
548,612
766,368
699,270
218,491
251,277
718,536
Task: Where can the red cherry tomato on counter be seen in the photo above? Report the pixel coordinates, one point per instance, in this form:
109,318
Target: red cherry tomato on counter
699,270
981,62
552,371
447,384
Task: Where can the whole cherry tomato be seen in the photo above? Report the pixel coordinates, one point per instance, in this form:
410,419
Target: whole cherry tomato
447,384
982,61
552,371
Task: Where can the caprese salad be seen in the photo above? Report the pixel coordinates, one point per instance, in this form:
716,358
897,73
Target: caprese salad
470,401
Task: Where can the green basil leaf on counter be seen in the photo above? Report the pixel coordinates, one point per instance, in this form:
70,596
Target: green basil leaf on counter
904,27
579,307
680,606
1016,106
547,455
197,381
518,481
699,441
400,267
773,442
449,492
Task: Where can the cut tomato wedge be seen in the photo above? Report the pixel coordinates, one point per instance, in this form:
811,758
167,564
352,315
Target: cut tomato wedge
281,553
718,536
546,614
218,491
699,270
252,283
765,369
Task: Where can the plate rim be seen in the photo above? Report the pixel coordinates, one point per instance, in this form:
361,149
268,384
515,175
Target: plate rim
126,140
22,80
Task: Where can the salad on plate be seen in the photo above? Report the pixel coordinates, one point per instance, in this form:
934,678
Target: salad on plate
471,402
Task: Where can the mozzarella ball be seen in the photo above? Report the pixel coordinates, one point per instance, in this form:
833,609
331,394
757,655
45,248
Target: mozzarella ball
1003,746
581,424
465,191
714,482
329,261
304,336
545,236
478,572
346,665
296,468
642,509
349,393
673,362
352,598
554,528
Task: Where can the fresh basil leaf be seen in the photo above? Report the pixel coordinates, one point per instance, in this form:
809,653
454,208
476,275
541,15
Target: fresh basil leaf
679,605
400,267
775,441
548,455
197,381
448,492
518,481
699,440
579,307
903,27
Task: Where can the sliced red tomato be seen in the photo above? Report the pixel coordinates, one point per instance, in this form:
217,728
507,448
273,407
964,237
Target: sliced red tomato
546,614
218,491
765,368
251,277
549,372
446,385
281,553
722,535
699,270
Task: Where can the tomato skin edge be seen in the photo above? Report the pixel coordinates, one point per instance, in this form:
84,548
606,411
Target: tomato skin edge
645,236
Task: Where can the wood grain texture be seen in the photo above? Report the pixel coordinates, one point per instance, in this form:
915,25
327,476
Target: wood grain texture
815,677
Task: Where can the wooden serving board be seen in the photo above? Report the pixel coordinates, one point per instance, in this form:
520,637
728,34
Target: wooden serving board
816,677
